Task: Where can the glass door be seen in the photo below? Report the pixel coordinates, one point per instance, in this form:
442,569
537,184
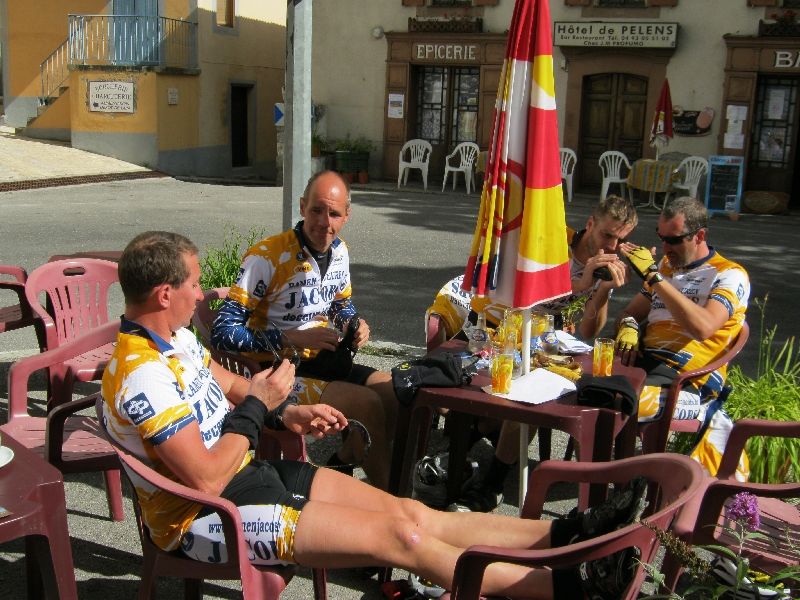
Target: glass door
447,109
774,134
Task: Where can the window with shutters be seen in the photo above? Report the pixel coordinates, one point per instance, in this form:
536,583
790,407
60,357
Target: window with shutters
225,13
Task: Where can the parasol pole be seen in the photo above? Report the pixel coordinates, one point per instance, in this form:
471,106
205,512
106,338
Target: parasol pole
523,427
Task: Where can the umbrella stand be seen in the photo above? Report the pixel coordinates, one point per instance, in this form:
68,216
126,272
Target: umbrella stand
523,428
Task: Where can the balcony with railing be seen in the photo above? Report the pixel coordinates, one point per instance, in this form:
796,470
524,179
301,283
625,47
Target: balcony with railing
135,41
132,41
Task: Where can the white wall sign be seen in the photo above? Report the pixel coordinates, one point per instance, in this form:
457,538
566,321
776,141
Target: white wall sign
446,52
111,96
624,34
172,96
396,102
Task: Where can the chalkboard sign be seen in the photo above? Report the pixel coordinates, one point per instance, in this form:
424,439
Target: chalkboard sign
724,183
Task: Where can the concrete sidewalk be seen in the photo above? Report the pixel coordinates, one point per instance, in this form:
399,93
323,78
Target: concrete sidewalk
27,163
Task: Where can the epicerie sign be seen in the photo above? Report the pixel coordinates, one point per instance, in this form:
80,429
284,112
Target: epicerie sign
111,96
445,52
631,34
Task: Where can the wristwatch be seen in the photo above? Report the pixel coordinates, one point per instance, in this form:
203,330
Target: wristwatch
655,278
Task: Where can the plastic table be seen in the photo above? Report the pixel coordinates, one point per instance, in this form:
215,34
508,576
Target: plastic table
33,491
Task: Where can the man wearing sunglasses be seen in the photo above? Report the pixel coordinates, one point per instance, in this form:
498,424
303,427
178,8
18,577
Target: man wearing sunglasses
292,300
693,302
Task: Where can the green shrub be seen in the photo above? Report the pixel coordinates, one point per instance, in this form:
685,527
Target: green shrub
220,266
773,394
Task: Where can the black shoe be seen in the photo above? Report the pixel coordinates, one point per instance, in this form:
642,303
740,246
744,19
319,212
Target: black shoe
477,499
621,508
607,578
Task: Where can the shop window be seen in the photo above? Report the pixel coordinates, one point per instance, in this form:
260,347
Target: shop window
226,10
774,123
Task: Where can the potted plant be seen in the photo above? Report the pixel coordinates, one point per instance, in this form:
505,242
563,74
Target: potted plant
318,144
352,155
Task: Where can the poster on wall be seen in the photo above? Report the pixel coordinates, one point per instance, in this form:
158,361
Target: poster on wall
692,122
111,96
396,102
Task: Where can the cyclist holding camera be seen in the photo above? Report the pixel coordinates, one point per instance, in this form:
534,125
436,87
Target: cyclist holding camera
293,298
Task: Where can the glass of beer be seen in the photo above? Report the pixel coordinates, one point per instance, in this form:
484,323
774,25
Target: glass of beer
502,371
603,357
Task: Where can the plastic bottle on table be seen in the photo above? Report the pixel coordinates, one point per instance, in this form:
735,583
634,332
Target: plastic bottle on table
479,336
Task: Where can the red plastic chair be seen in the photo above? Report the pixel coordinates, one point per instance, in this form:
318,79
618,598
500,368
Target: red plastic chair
695,525
674,479
654,434
434,332
257,582
72,443
77,303
203,320
19,315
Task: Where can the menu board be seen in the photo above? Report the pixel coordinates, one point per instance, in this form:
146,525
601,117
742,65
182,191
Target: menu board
724,183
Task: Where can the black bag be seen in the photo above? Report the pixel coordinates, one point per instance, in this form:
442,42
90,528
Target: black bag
439,370
614,392
333,365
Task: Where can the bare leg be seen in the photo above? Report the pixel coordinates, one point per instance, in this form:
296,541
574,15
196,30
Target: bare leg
457,529
404,533
507,450
381,383
361,403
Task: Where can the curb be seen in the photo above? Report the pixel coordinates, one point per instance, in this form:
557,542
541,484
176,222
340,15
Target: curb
11,186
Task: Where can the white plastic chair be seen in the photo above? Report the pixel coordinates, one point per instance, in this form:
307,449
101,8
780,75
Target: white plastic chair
467,153
568,160
694,169
611,163
419,157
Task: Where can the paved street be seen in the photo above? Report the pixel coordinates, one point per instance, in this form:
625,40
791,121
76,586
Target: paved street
404,245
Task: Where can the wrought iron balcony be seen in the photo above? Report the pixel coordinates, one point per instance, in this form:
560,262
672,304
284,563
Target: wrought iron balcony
132,41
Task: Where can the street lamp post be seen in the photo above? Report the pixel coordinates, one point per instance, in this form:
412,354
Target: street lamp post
297,132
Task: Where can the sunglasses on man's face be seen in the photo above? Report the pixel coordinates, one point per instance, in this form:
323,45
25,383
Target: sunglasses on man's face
294,358
674,240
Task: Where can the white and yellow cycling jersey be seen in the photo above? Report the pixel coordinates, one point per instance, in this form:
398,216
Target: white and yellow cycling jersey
712,279
153,388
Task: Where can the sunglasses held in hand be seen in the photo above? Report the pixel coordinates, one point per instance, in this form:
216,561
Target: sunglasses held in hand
294,358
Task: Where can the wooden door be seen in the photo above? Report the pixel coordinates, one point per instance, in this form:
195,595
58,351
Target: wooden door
773,156
612,118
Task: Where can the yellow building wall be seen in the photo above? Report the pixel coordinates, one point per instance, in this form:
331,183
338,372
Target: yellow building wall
177,123
143,120
253,52
35,29
56,116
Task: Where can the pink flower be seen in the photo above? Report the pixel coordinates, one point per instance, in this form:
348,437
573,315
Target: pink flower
744,510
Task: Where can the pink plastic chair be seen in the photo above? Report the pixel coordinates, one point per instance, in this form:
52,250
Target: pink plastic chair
72,443
77,303
19,315
203,320
674,480
654,434
260,583
695,525
434,332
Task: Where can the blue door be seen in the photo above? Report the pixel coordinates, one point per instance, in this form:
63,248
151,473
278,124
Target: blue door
135,31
